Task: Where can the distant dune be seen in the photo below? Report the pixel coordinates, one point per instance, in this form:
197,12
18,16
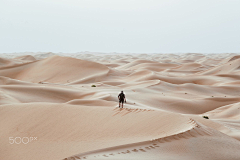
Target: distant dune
69,102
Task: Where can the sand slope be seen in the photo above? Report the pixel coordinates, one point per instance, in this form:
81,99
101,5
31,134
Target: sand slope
196,143
55,69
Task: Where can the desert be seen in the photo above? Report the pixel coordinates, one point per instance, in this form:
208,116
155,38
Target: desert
178,106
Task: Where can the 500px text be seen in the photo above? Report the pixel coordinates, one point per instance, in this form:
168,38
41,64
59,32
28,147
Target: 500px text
19,140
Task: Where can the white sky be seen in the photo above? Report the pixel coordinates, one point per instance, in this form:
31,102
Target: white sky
139,26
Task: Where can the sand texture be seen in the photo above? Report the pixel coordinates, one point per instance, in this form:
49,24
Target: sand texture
51,97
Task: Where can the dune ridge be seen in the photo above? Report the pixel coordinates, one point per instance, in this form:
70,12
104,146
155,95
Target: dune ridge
198,131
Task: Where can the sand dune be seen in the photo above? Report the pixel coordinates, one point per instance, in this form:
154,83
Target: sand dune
55,69
69,102
229,67
26,58
190,144
87,128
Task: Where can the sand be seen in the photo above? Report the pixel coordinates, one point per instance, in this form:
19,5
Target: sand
49,99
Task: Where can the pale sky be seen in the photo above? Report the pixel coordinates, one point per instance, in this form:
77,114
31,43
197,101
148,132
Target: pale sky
137,26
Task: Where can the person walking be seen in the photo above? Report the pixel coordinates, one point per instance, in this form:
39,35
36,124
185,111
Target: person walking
121,98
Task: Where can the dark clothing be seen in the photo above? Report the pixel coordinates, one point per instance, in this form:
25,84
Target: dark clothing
121,97
121,101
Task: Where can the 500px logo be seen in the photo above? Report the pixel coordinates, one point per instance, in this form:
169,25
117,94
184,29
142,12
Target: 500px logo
19,140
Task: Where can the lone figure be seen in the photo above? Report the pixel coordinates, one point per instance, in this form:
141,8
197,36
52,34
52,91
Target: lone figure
121,98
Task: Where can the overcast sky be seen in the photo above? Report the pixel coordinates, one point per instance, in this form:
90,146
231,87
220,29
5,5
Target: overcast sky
139,26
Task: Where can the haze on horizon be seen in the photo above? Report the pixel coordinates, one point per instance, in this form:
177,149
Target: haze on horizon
137,26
